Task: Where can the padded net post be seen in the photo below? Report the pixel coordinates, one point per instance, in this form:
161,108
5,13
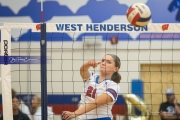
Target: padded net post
6,74
6,82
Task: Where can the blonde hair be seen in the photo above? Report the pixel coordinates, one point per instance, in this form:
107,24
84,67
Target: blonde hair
38,97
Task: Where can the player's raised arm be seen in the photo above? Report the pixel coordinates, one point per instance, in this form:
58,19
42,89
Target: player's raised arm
85,67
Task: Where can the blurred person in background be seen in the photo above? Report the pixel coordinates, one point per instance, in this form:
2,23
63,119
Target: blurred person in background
23,107
36,105
17,113
170,110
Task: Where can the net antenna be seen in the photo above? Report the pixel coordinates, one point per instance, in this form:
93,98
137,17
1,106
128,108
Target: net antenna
43,66
42,12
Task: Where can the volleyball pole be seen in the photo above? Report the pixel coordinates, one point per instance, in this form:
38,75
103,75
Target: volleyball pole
43,66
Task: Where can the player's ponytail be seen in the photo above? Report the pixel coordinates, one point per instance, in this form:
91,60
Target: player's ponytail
116,77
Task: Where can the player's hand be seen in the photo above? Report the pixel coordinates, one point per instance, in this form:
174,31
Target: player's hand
68,115
93,63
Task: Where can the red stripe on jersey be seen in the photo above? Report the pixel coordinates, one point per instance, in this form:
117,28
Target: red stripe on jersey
136,18
113,92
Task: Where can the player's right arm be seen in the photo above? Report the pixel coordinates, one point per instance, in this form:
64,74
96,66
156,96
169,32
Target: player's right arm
84,70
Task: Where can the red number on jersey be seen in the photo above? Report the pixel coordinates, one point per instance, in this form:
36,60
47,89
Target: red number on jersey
91,92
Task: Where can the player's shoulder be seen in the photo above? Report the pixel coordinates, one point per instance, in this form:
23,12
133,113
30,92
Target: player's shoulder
92,73
112,84
92,76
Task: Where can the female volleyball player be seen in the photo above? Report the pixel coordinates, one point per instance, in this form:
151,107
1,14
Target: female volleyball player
101,91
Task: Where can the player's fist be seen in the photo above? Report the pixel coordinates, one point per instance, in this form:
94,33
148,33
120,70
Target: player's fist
68,115
93,63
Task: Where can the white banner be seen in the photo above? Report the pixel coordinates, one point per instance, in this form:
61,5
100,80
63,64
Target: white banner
97,27
93,27
110,27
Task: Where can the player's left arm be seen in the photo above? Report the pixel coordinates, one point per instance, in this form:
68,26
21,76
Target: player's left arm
109,96
99,101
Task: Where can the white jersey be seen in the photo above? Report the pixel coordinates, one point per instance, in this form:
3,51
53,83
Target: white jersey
92,89
38,116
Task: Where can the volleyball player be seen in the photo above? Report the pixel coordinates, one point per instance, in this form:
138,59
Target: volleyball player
100,91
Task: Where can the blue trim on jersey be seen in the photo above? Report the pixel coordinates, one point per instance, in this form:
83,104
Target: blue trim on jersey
105,118
97,79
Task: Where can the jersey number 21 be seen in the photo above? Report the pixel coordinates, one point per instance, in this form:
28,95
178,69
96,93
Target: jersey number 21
91,92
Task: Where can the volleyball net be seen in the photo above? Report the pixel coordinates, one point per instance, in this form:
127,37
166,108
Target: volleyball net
45,59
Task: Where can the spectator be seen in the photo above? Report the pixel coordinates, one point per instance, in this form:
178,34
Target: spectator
17,114
36,105
170,110
23,107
